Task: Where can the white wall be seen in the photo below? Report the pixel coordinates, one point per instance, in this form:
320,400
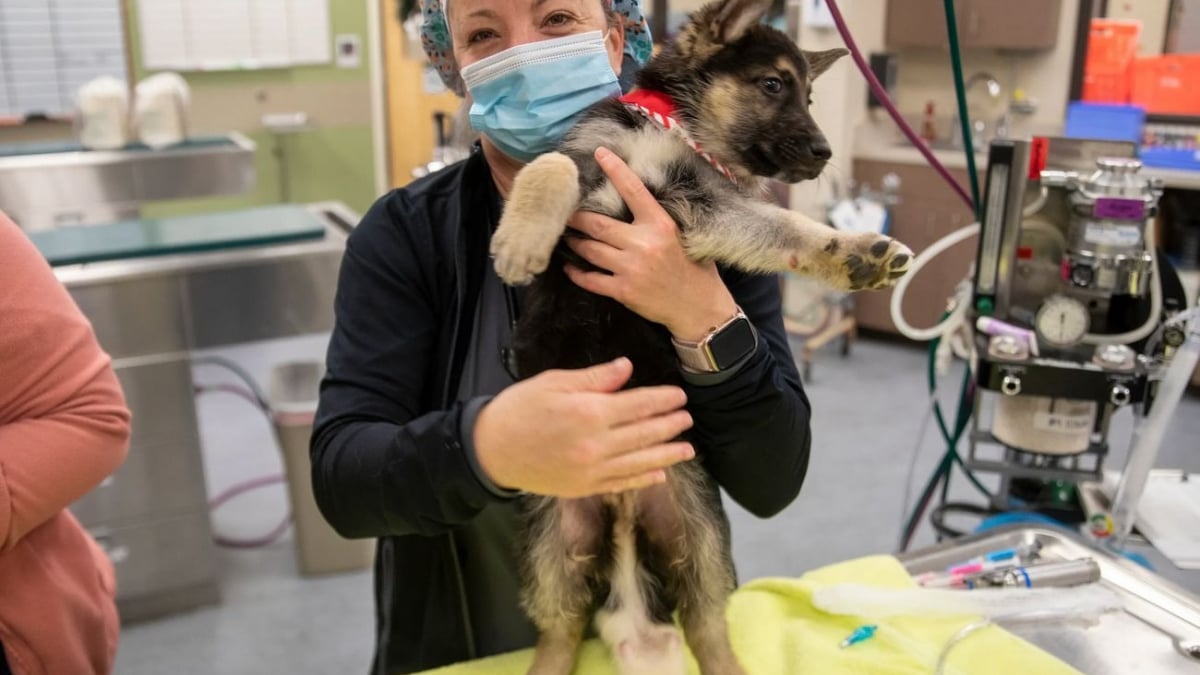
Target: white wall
840,95
1045,77
1187,33
1152,14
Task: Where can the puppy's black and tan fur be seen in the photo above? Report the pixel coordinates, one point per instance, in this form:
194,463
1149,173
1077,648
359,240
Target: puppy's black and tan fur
635,559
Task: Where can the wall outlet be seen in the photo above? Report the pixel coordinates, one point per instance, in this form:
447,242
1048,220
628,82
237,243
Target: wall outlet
347,50
816,14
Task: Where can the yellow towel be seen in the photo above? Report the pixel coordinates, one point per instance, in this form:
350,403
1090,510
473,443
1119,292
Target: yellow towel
776,631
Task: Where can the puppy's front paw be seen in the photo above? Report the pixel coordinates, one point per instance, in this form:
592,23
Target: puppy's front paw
520,252
875,261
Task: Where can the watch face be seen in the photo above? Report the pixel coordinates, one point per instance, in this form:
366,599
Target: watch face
732,344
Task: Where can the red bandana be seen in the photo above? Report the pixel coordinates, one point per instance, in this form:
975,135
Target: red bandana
660,109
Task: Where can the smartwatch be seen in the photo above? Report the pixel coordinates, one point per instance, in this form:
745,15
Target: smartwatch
721,349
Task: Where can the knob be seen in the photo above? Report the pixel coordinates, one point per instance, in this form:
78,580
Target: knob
1120,395
1010,385
1082,274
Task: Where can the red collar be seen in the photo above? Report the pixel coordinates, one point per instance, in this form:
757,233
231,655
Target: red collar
660,109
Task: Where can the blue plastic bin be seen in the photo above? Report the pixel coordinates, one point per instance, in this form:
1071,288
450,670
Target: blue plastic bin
1105,122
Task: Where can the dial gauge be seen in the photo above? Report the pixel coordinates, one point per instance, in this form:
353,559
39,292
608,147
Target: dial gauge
1062,321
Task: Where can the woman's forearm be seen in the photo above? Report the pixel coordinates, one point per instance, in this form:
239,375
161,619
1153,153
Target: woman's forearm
64,425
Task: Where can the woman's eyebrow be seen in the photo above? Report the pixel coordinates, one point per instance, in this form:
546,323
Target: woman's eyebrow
487,12
539,3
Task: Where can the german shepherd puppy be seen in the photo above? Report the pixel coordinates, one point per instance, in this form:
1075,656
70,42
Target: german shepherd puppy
632,559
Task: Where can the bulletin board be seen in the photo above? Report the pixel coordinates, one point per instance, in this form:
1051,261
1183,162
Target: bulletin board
190,35
49,48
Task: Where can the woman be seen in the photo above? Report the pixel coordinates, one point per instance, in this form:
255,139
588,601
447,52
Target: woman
423,440
63,428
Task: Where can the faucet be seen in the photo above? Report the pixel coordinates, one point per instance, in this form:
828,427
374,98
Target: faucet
992,84
979,127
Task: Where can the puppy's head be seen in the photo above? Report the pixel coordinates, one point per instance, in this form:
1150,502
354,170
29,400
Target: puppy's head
744,89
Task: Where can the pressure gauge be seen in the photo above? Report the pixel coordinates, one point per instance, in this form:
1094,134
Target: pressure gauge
1062,321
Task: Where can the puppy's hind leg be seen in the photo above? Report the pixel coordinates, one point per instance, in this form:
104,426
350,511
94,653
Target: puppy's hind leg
544,195
687,524
561,557
635,621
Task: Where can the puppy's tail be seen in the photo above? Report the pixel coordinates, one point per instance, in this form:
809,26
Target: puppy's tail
639,645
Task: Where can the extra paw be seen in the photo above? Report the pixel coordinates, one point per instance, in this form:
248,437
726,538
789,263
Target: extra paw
521,252
876,261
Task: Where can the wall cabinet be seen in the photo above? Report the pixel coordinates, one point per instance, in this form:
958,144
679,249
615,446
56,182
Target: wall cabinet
927,211
982,24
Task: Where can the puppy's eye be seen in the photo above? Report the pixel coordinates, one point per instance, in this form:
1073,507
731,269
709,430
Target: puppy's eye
772,85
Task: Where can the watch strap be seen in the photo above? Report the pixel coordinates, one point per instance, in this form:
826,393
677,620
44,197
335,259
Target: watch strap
697,356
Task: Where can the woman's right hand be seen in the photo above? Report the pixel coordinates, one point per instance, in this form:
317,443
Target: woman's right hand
574,433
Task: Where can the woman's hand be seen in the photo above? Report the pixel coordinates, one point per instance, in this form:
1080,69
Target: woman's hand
651,274
573,433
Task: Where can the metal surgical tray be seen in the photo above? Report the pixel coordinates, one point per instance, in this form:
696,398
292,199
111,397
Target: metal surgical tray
1158,631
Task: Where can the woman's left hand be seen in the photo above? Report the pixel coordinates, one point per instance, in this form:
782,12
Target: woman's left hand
651,274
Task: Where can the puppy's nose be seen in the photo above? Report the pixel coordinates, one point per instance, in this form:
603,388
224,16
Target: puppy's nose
821,150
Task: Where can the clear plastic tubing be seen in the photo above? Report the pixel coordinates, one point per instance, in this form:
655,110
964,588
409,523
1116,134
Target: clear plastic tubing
1148,435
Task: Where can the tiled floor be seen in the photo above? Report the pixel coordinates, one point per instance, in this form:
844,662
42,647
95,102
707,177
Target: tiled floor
868,411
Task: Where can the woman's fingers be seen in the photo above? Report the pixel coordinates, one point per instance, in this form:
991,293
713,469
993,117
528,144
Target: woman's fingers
639,482
595,282
601,228
645,467
602,255
642,204
647,433
632,405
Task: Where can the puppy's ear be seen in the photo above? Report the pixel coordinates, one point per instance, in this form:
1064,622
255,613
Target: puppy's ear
730,19
819,62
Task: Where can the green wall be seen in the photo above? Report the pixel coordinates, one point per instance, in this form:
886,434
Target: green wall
331,162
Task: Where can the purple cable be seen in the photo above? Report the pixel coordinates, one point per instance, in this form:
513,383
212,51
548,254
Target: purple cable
245,486
244,394
240,488
881,94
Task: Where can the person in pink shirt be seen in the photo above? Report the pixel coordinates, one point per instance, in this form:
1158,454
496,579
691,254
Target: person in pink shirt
64,426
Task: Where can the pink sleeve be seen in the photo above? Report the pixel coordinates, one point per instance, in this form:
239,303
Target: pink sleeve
64,425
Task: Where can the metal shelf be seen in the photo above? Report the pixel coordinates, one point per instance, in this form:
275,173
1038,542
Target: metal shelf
1179,179
47,185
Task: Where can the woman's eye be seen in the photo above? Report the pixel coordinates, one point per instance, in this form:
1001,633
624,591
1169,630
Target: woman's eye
772,85
480,36
558,19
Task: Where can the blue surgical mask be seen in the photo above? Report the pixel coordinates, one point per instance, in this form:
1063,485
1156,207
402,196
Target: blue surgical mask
525,99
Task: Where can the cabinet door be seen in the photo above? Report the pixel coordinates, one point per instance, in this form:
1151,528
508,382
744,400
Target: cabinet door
916,23
1010,24
927,211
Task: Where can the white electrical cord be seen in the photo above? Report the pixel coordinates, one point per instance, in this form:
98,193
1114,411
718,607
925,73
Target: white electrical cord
957,315
962,300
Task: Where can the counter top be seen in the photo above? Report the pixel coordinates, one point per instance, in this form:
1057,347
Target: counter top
1180,179
881,145
878,145
154,237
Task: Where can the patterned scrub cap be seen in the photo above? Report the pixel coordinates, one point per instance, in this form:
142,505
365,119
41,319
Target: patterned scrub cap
435,38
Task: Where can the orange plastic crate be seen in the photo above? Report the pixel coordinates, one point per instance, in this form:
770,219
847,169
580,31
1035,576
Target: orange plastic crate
1101,88
1168,85
1112,46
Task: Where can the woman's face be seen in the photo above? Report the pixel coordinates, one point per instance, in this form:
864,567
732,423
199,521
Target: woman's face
481,28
